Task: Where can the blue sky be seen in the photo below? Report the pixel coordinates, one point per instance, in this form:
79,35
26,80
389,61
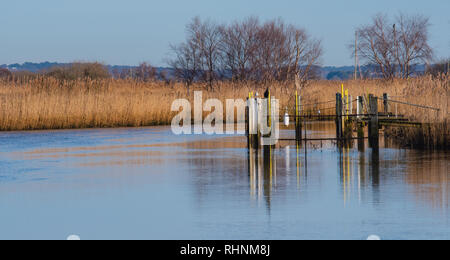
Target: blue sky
134,31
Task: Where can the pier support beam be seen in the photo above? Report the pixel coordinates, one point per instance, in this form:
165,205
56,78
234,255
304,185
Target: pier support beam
373,122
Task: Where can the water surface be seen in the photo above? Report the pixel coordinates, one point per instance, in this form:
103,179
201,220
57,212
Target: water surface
145,183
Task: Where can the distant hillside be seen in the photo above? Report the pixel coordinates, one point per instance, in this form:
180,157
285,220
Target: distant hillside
32,67
327,72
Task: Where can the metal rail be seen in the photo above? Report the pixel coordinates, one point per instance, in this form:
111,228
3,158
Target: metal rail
411,104
324,139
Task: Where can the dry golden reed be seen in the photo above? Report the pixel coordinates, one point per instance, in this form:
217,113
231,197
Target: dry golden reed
48,103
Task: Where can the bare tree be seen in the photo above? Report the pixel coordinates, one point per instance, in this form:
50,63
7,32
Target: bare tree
307,57
411,43
145,72
238,47
186,63
394,49
245,51
206,37
375,45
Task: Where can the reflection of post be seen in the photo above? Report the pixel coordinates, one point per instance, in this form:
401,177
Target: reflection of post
268,174
361,172
375,173
252,168
349,173
287,150
345,172
342,176
298,164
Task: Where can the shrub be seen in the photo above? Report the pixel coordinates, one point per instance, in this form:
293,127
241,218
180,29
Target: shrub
80,71
5,73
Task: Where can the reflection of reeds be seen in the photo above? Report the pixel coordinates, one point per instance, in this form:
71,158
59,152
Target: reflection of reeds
429,179
46,103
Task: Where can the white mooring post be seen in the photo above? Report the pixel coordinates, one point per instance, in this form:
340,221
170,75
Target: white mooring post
253,122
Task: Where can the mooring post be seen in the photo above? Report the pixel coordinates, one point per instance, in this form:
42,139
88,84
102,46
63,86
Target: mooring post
359,112
259,117
247,118
298,121
253,123
339,108
348,126
373,121
360,107
386,103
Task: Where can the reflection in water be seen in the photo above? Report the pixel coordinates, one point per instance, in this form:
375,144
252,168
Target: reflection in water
357,185
263,171
428,184
219,189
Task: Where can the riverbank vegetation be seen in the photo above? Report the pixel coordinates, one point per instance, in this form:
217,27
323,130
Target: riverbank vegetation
228,61
50,103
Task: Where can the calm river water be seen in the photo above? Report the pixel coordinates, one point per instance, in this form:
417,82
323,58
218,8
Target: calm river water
145,183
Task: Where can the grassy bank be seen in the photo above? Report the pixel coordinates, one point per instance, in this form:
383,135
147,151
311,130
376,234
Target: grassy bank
48,103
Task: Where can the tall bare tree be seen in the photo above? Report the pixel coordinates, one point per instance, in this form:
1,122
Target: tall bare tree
238,47
411,43
186,62
206,36
395,47
245,51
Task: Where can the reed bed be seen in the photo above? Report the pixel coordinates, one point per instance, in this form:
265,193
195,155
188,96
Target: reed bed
48,103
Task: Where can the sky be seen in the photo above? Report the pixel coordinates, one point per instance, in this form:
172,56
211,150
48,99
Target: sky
134,31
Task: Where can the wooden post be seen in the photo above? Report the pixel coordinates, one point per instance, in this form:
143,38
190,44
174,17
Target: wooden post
386,103
360,123
260,115
360,107
247,118
339,109
298,121
253,123
373,121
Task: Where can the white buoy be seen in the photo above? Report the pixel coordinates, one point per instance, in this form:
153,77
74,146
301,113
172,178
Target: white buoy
73,237
286,118
374,238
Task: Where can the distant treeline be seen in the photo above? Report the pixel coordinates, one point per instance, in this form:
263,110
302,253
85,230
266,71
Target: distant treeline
145,72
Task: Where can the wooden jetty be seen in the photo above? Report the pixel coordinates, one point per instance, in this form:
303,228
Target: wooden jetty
368,114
